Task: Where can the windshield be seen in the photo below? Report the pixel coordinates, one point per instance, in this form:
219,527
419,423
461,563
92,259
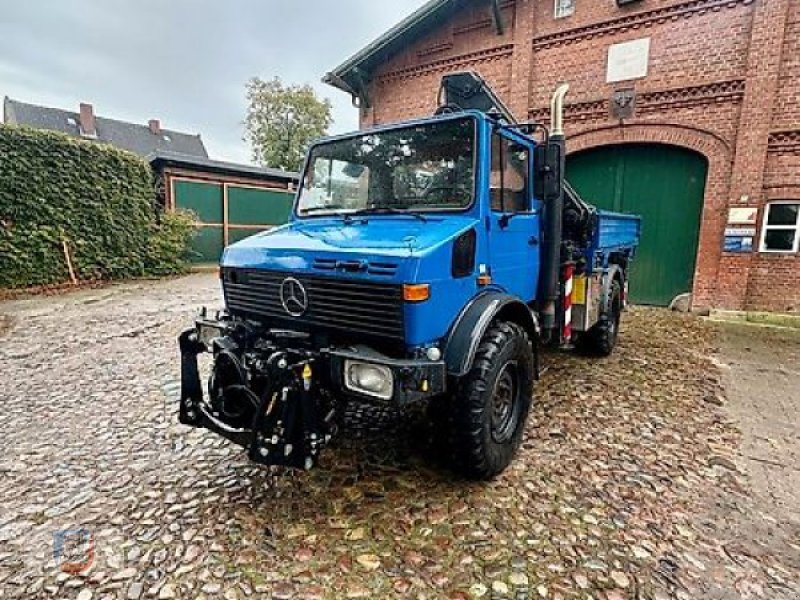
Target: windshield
421,168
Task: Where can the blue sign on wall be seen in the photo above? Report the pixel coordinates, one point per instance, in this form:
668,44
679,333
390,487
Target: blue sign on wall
739,240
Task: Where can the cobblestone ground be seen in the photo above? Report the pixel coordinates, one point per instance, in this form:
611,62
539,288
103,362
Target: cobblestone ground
620,458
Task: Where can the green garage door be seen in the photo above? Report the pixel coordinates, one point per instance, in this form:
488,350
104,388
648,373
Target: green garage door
205,200
666,186
227,213
251,210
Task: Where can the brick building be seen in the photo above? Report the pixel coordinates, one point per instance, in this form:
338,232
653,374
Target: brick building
685,111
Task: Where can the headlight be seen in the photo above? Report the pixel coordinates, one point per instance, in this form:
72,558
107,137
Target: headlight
370,379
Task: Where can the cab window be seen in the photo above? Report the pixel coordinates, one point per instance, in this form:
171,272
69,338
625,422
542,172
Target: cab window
509,178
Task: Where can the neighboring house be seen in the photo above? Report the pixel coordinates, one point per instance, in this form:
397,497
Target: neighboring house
685,111
139,139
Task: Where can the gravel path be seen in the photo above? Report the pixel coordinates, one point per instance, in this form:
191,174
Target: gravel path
606,500
757,524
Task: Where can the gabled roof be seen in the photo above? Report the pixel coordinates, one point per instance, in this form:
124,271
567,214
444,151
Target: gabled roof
163,158
128,136
352,75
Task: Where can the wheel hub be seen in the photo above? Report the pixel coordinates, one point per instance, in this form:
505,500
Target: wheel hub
505,404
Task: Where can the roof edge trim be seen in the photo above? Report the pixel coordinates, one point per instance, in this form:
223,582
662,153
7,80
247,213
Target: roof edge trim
402,28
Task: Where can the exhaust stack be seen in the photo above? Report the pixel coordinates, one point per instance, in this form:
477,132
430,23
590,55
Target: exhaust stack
554,210
557,110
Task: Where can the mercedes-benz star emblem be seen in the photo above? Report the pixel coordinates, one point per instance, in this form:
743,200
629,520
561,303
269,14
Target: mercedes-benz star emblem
294,297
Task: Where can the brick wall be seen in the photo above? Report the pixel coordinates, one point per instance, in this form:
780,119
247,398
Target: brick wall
774,282
724,80
787,103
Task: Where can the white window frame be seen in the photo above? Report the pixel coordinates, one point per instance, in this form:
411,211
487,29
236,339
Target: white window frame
560,13
765,227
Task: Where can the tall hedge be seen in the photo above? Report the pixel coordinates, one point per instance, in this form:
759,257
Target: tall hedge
96,198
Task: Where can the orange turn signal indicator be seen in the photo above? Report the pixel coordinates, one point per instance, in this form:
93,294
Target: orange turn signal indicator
484,280
417,292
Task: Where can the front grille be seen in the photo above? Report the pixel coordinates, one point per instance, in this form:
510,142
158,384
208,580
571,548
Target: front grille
365,308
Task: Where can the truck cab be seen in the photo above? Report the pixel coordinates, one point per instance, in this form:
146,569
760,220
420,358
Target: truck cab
424,261
439,210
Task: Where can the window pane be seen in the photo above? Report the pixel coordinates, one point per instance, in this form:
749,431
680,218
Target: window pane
783,214
780,239
508,183
564,8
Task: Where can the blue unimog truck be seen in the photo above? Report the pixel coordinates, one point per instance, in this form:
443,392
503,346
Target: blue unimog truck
424,262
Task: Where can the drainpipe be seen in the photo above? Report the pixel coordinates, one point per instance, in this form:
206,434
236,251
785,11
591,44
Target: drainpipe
497,17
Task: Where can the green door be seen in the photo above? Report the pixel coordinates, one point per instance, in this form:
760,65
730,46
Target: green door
666,186
205,200
251,210
227,213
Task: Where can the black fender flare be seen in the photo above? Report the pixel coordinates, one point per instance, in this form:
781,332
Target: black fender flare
613,272
473,322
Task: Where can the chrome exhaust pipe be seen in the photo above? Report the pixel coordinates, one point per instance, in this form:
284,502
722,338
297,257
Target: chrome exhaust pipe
554,208
557,110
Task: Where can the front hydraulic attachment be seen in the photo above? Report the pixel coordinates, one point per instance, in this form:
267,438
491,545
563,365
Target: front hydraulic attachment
266,400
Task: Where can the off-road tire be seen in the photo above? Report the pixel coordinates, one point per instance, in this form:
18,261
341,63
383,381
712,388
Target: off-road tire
484,438
601,339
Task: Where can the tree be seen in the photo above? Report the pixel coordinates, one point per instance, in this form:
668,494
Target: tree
282,120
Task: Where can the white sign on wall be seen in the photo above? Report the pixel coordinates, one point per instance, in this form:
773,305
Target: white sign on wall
628,60
742,216
741,231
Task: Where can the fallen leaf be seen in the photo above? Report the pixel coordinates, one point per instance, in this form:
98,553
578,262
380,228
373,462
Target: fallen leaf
370,562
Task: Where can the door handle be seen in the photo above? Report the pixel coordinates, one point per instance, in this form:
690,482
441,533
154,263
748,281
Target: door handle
533,241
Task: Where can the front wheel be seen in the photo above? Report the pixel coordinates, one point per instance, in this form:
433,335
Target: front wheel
489,412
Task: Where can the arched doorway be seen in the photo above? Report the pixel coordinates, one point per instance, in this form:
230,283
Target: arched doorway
666,186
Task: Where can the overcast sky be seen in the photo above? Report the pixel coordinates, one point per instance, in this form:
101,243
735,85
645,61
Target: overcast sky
183,61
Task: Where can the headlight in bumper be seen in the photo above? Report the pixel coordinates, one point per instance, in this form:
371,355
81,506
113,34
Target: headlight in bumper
364,372
369,378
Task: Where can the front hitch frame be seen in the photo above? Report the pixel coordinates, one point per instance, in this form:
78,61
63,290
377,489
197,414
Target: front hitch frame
288,427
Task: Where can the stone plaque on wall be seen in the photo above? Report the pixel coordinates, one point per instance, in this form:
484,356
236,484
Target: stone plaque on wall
742,215
628,60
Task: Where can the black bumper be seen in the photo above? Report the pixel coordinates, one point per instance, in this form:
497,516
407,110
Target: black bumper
289,414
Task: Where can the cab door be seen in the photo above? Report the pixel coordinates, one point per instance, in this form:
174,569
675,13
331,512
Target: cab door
513,219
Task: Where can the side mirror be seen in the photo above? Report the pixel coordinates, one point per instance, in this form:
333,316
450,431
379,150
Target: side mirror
547,162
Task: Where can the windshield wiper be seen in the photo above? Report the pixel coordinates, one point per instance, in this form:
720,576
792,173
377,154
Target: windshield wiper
313,209
387,210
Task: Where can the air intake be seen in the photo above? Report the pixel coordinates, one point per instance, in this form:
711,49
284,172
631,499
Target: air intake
325,264
381,269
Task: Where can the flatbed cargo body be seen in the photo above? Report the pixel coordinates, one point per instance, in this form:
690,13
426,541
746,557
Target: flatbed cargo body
616,232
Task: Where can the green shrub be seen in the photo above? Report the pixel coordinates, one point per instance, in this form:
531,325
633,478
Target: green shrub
169,253
98,199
